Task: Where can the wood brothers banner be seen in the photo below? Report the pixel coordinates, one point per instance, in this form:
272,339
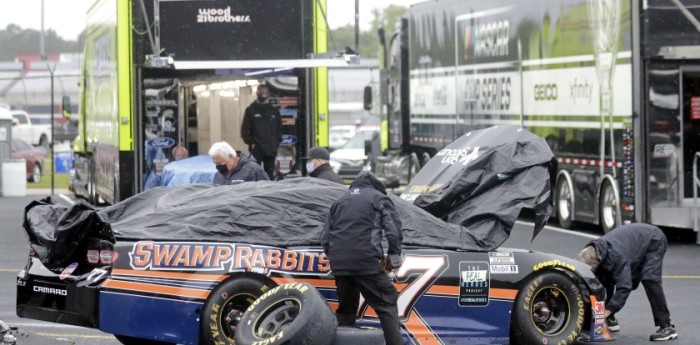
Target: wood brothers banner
232,29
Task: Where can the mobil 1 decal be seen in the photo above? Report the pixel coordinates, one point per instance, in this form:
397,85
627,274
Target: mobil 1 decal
502,263
474,281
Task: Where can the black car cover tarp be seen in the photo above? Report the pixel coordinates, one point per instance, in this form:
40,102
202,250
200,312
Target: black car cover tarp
292,212
484,179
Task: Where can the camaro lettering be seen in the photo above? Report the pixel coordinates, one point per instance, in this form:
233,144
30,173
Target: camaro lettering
222,256
51,291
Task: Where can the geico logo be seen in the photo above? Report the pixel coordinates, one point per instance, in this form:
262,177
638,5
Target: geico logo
50,291
546,92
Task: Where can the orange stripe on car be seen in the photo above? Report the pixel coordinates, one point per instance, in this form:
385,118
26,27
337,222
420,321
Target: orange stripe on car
158,289
420,331
322,283
173,275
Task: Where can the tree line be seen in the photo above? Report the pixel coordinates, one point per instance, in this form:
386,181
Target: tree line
15,40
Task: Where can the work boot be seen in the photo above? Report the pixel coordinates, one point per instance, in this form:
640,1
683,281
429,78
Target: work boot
664,333
612,324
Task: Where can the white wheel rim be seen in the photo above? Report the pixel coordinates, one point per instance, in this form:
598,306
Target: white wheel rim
609,207
564,201
37,174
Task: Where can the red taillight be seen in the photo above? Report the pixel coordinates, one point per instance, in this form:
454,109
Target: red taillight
93,256
106,257
102,257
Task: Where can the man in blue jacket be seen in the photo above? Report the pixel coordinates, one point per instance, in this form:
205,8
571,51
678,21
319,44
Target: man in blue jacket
352,240
623,258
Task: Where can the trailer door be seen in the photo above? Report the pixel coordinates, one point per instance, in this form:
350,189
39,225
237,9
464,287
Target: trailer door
664,151
690,102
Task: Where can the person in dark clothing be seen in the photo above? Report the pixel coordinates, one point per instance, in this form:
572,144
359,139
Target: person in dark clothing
262,130
232,169
352,240
317,165
623,258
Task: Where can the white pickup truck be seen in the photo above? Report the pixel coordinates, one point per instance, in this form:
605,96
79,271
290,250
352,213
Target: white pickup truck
23,128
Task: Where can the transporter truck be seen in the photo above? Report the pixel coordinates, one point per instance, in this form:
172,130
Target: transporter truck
612,85
162,74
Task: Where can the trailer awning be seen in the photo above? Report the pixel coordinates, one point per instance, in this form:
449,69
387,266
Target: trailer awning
263,64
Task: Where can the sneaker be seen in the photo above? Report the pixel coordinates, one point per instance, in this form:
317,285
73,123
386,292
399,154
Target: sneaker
612,324
664,333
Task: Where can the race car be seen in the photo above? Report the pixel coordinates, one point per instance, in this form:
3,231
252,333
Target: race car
180,265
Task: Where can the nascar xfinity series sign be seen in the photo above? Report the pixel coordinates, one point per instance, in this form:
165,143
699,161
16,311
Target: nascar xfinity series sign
232,29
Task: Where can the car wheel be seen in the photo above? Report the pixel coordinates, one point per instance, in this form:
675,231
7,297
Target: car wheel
425,158
36,173
565,201
137,341
224,308
608,208
293,313
548,310
358,335
44,141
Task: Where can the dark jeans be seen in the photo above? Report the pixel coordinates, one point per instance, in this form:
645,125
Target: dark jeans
657,300
267,162
379,293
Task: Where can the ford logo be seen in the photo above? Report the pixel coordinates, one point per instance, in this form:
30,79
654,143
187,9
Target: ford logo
288,140
162,142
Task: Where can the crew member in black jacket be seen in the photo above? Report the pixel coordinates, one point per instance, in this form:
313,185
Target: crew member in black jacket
262,130
623,258
232,168
317,165
352,240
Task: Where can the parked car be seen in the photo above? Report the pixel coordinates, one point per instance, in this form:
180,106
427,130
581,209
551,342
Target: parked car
65,129
350,159
339,135
33,156
23,127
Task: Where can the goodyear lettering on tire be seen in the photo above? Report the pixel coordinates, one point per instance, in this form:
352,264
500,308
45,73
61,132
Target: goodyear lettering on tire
271,340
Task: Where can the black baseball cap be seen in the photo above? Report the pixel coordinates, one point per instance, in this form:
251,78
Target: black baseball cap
318,153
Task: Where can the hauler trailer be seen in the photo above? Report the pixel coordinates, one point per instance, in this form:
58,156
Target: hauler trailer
613,85
166,73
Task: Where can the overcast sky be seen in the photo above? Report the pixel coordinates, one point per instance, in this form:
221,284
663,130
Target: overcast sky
67,17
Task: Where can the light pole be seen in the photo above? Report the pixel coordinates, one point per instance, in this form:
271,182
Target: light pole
51,142
42,51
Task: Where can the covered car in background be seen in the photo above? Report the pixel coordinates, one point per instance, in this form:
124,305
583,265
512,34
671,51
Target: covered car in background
197,169
181,264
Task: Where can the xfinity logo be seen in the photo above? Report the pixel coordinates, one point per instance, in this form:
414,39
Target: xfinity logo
220,15
581,91
50,291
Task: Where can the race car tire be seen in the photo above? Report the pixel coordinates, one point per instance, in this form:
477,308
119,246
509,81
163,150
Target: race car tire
137,341
293,313
225,306
359,335
548,310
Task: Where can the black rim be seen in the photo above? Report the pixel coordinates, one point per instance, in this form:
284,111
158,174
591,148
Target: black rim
233,311
550,310
277,317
